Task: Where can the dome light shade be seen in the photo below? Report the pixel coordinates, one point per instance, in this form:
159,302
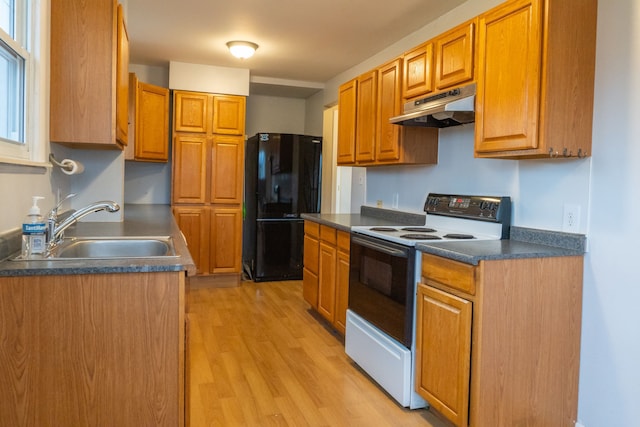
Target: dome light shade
242,49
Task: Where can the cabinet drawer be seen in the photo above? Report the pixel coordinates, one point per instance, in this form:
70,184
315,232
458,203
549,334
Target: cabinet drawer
344,241
312,229
328,234
451,273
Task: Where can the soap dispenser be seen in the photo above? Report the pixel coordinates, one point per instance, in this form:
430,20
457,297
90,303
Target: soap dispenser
34,233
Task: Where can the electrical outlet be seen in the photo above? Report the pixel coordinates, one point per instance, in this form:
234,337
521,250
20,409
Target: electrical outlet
571,218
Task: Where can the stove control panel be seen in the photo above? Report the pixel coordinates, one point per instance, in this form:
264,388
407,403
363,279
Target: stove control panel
481,208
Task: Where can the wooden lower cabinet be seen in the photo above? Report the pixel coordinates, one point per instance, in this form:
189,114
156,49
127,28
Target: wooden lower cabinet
499,343
194,222
310,262
443,334
225,240
326,272
93,350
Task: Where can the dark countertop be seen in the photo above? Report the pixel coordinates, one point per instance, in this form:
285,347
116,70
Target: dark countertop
472,252
139,221
523,242
368,216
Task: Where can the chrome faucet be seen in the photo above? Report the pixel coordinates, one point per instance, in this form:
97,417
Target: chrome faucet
55,230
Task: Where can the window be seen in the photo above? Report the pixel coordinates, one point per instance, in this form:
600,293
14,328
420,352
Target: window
16,79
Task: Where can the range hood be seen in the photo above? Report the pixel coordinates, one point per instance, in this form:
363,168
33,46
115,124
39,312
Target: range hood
451,108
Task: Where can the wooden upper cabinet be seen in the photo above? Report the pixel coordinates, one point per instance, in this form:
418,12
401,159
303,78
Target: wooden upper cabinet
347,100
228,115
389,97
418,71
191,110
366,110
148,122
189,169
89,74
454,52
227,169
536,65
122,79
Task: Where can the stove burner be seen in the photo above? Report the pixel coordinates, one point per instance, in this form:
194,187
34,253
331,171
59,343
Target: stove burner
419,229
382,229
420,237
458,236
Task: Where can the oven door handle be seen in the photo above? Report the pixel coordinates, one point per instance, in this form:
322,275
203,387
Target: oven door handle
378,247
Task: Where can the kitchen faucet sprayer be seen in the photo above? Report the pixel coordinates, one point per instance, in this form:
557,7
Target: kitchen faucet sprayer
56,230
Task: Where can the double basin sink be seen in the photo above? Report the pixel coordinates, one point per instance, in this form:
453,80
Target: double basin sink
100,248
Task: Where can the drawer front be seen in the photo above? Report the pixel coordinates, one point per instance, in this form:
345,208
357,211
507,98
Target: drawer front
312,228
454,274
328,234
344,241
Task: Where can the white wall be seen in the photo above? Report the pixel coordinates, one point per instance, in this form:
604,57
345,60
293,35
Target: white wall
610,372
276,115
605,186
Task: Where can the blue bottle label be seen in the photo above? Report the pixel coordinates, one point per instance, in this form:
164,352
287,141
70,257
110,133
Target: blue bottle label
38,228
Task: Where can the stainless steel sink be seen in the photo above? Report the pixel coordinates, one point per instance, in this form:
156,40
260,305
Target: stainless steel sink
121,247
112,248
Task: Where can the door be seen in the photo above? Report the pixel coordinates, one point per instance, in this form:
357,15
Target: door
225,240
389,87
381,288
279,246
347,100
443,352
189,169
194,224
227,162
509,77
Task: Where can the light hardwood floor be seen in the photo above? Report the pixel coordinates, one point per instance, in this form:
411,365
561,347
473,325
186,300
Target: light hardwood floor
258,356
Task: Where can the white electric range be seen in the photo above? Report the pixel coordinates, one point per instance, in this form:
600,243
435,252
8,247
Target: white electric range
384,272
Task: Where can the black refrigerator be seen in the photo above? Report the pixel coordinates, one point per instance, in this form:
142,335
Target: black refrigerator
282,181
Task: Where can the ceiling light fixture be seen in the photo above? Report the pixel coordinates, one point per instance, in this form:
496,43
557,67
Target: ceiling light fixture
242,49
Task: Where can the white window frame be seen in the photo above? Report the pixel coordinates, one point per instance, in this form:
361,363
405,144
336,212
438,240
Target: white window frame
32,45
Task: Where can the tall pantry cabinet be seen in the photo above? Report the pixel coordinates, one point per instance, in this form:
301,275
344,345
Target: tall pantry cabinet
207,179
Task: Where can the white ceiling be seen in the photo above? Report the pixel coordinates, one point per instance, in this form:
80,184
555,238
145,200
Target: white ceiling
303,43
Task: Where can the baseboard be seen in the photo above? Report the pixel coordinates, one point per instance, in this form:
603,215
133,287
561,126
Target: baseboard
215,281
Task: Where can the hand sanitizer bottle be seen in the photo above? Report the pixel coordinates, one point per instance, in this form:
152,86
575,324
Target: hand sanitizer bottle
34,233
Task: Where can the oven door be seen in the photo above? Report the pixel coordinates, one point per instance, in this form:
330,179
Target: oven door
381,288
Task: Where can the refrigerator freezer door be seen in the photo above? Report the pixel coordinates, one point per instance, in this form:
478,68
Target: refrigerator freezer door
279,245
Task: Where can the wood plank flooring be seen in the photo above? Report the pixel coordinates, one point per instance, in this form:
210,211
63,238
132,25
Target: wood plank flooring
258,356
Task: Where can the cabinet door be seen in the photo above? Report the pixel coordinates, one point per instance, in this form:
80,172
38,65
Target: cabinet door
122,79
443,352
189,169
191,109
418,71
152,123
228,115
82,73
342,281
454,56
327,281
366,112
389,87
225,240
310,262
347,100
227,169
509,68
194,224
